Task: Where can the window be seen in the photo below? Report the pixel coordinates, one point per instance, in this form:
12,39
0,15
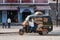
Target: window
27,1
11,1
41,1
1,1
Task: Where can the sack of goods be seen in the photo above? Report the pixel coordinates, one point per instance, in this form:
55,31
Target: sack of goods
39,28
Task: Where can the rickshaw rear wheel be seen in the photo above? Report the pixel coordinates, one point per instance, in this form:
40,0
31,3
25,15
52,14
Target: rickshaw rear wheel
21,32
40,33
43,33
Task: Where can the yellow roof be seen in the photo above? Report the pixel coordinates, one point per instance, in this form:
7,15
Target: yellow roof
38,13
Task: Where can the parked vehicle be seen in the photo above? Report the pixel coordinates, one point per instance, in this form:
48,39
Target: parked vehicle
42,24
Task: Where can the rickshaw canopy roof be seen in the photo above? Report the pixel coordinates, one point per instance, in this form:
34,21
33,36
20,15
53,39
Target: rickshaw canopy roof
37,16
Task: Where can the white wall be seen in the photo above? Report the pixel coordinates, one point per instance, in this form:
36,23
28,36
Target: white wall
51,1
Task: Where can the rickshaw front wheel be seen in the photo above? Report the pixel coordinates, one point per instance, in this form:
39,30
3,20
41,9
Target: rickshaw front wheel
21,32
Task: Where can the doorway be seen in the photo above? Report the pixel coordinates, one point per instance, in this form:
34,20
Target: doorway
13,15
25,13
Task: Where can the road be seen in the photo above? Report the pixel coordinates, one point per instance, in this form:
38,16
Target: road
54,35
28,37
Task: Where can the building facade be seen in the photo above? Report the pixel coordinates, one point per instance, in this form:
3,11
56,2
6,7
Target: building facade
18,10
53,5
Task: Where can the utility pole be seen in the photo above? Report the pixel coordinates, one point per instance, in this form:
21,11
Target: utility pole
57,13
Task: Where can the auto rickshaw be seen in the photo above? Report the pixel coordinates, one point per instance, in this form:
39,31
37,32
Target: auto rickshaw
43,25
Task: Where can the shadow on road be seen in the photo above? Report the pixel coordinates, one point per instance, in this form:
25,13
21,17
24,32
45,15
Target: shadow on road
27,34
36,34
6,34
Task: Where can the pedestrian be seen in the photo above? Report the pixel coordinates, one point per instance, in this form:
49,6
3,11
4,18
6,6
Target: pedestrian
9,22
3,25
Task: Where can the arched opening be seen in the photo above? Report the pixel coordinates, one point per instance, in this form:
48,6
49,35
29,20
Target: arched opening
25,13
13,15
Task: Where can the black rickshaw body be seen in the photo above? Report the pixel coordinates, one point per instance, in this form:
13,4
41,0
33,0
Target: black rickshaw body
46,21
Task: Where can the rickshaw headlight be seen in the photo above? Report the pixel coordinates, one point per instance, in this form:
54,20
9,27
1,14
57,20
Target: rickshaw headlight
49,27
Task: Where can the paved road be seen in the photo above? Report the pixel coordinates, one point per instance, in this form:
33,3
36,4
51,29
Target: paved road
28,37
54,35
